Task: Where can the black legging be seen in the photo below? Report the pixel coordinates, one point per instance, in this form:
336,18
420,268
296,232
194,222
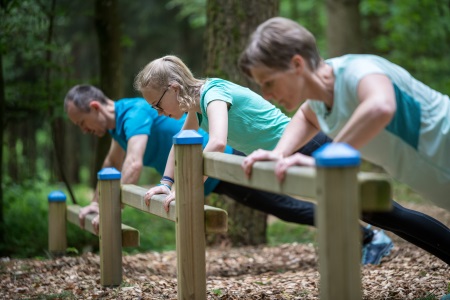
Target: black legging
413,226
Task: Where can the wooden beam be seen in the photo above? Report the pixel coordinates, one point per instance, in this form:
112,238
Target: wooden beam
374,189
130,235
216,220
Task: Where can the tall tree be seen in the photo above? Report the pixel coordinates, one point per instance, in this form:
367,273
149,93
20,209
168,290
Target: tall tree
3,125
109,34
229,25
344,27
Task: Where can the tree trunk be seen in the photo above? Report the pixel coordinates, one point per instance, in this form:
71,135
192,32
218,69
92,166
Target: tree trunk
344,27
2,129
229,26
107,24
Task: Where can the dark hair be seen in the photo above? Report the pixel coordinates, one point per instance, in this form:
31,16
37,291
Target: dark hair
82,95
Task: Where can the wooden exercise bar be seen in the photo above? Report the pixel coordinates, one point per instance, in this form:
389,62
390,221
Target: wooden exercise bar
216,219
374,189
130,235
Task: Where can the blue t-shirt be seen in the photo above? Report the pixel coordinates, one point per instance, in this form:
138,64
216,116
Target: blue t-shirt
135,116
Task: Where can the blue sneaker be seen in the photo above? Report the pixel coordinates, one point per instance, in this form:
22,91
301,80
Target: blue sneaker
379,247
446,297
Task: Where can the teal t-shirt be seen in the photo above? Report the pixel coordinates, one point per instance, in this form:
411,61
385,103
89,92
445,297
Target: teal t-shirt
134,117
253,122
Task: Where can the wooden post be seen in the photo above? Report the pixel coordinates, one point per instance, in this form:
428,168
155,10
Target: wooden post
57,238
337,215
190,223
110,233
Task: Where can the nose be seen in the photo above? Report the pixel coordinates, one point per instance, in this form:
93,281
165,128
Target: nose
267,95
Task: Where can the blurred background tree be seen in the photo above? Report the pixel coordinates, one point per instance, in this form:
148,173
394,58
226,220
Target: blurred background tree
47,46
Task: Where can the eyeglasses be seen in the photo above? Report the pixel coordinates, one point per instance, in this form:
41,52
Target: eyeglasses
156,106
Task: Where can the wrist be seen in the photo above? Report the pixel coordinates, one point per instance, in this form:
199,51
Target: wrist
166,185
168,179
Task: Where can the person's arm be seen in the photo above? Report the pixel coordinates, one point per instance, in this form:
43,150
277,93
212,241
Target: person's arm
376,109
218,126
190,123
302,127
131,167
114,158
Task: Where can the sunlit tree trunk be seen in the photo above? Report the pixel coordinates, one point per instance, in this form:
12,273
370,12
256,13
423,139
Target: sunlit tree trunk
107,23
229,25
344,27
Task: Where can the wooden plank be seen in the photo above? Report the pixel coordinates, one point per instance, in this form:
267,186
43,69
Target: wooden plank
375,192
110,233
337,217
216,219
375,189
299,181
190,223
57,240
130,235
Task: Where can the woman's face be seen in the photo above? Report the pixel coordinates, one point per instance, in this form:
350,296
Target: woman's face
283,86
165,102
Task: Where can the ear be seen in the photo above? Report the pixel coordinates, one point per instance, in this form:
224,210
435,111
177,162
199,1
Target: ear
298,63
95,105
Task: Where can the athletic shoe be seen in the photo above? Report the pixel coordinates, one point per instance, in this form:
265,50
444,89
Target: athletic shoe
379,247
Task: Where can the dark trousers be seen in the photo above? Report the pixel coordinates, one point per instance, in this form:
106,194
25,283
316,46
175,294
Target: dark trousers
413,226
286,208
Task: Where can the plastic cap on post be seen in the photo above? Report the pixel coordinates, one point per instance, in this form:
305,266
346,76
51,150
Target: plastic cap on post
108,174
187,137
56,196
337,155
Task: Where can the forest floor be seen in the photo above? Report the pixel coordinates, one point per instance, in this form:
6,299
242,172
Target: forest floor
289,271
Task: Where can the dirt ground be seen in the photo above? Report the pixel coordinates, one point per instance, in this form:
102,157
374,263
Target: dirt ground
285,272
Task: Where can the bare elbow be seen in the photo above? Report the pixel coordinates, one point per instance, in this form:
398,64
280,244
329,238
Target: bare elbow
216,146
384,111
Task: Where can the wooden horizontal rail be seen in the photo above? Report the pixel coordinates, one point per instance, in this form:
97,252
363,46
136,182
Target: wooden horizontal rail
375,189
216,219
130,235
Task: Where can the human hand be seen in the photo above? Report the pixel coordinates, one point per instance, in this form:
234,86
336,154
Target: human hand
159,189
96,224
169,198
84,211
296,159
258,155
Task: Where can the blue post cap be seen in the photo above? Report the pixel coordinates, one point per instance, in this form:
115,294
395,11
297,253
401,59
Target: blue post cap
337,155
108,174
56,196
187,137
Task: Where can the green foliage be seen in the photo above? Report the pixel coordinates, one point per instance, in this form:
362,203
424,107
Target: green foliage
280,232
156,234
415,35
193,10
26,221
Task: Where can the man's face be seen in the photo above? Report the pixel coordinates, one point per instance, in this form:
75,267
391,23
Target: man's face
92,122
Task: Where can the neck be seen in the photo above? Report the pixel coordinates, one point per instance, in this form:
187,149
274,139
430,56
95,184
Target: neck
323,84
109,111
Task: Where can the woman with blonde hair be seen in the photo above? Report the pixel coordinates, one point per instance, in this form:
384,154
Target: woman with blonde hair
239,117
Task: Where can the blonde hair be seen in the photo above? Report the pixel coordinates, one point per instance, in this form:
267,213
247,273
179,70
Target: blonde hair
275,42
170,70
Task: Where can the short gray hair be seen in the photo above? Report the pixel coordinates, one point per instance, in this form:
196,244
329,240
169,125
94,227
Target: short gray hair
275,42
